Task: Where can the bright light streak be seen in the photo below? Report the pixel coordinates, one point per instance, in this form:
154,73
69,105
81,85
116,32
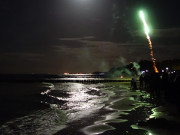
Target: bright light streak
146,29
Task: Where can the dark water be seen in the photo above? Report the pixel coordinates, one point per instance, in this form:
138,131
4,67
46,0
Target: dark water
71,108
48,112
49,77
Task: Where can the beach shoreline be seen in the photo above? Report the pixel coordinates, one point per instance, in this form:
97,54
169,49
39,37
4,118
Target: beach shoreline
124,111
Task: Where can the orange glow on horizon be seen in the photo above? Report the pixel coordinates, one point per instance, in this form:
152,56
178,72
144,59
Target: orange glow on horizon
66,73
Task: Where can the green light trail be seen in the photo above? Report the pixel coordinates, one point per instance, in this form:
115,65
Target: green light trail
146,29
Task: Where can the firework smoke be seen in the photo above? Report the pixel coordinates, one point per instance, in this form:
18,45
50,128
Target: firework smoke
149,40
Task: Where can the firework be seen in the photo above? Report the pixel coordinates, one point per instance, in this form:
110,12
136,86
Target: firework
146,29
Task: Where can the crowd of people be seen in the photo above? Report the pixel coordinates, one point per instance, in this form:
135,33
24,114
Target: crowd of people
164,85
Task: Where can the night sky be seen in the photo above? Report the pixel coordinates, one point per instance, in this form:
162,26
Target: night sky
57,36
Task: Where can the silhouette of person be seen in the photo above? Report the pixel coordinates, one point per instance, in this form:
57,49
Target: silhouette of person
133,82
141,80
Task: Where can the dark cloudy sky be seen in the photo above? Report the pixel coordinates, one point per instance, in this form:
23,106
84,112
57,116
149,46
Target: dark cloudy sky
56,36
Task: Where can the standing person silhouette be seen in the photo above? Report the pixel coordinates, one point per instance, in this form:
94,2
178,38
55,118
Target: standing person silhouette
141,80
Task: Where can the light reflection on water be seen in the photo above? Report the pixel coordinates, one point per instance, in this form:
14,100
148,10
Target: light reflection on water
73,102
82,100
80,97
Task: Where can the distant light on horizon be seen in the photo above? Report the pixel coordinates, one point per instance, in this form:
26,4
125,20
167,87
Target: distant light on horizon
84,0
66,73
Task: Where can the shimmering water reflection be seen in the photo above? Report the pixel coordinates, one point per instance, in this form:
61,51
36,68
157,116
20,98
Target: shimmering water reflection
76,107
81,99
67,102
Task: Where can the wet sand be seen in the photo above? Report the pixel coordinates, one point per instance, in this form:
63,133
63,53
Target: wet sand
125,115
122,110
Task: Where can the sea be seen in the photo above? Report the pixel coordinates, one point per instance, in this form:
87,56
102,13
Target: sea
70,105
